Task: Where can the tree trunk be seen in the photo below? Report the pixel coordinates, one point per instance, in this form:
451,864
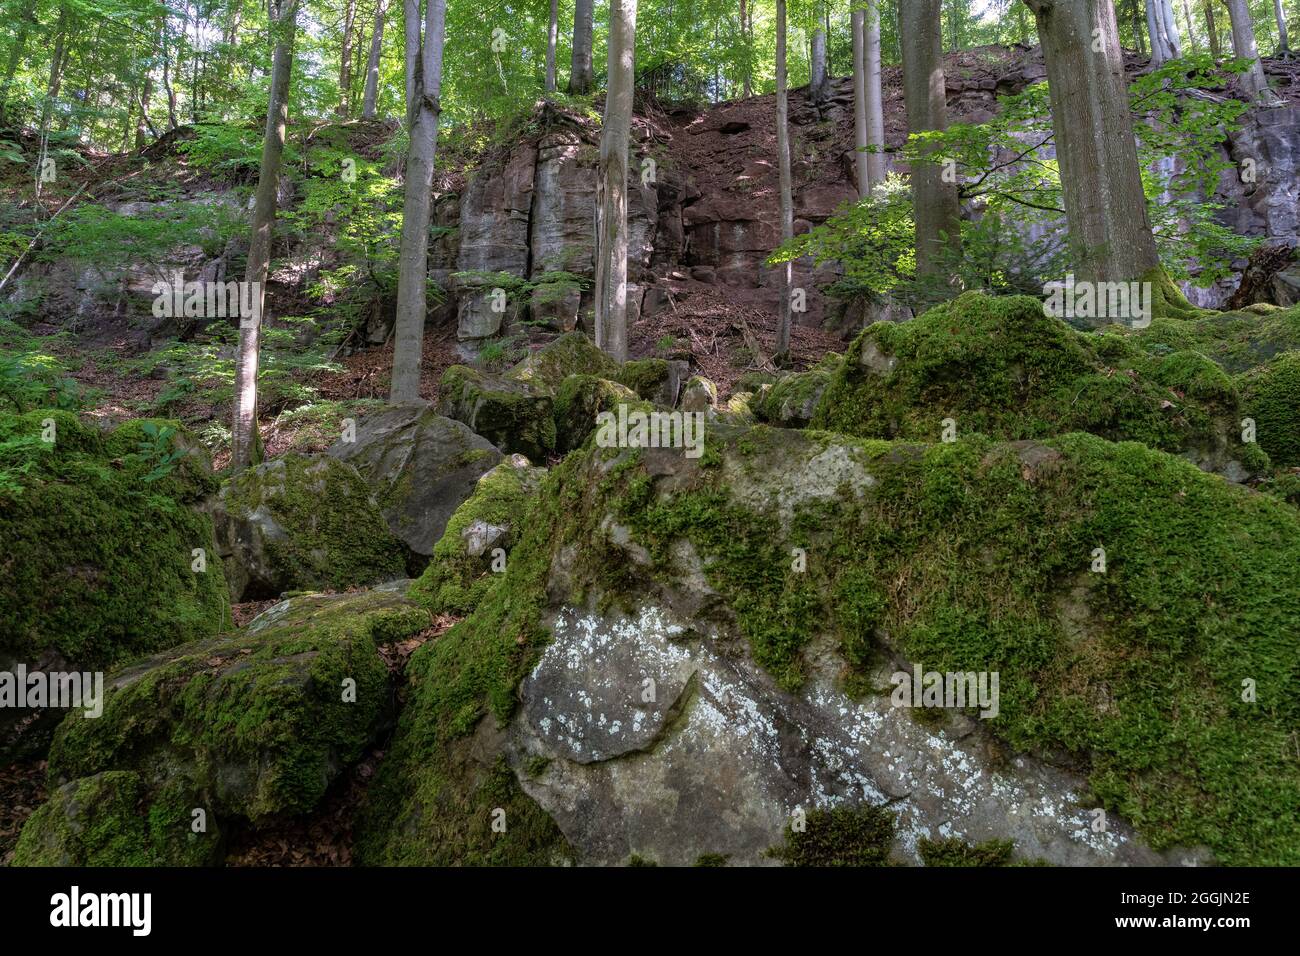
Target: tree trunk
938,214
56,70
1106,211
411,18
1165,44
552,38
746,32
345,56
413,264
817,61
1243,44
25,20
787,201
868,113
1191,28
1212,28
611,184
1283,41
245,441
581,76
370,100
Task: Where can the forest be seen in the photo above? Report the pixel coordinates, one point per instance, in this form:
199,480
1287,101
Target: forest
678,433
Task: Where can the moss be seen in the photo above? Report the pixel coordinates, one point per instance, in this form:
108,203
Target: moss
846,835
257,719
636,859
579,400
1236,341
712,859
512,414
648,378
95,562
957,852
570,354
455,580
1003,368
793,398
335,536
111,819
1272,399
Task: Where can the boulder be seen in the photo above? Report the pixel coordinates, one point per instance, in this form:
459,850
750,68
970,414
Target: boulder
513,414
301,523
581,398
245,727
475,547
571,354
684,654
1271,398
792,400
419,465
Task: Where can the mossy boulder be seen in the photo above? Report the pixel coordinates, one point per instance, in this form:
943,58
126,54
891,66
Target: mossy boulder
515,414
259,722
420,466
658,381
113,819
1272,399
103,555
301,523
579,400
466,562
771,587
570,354
1236,341
699,395
1004,368
792,400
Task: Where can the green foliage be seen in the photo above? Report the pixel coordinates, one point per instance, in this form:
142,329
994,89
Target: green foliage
231,150
843,835
954,851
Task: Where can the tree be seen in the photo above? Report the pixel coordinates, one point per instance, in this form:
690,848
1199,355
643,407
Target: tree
552,36
1243,45
787,201
817,60
611,184
413,256
868,110
370,99
938,214
1165,42
1212,29
245,441
345,55
25,20
1283,42
1105,208
581,75
746,39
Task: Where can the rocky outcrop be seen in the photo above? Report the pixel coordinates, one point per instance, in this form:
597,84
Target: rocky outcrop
419,466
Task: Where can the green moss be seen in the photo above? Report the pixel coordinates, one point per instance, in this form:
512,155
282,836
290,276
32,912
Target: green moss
1236,341
515,415
455,580
111,819
95,562
1272,399
258,719
646,377
580,399
636,859
793,398
957,852
570,354
845,835
1003,368
712,859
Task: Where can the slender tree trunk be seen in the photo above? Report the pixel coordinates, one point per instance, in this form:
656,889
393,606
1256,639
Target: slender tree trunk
581,75
143,123
245,441
1139,31
868,113
1165,44
370,101
787,199
345,56
938,213
1212,28
817,61
413,264
611,184
25,20
1243,45
746,34
863,175
1106,211
56,69
411,18
1191,27
1283,42
552,38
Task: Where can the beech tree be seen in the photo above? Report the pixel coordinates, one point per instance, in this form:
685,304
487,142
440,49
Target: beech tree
1283,41
581,71
552,37
245,440
817,58
1212,30
868,109
1243,45
1163,30
370,98
783,164
934,186
413,258
611,184
1106,212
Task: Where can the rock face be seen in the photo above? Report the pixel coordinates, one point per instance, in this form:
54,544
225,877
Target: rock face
302,524
419,465
103,555
244,727
685,653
